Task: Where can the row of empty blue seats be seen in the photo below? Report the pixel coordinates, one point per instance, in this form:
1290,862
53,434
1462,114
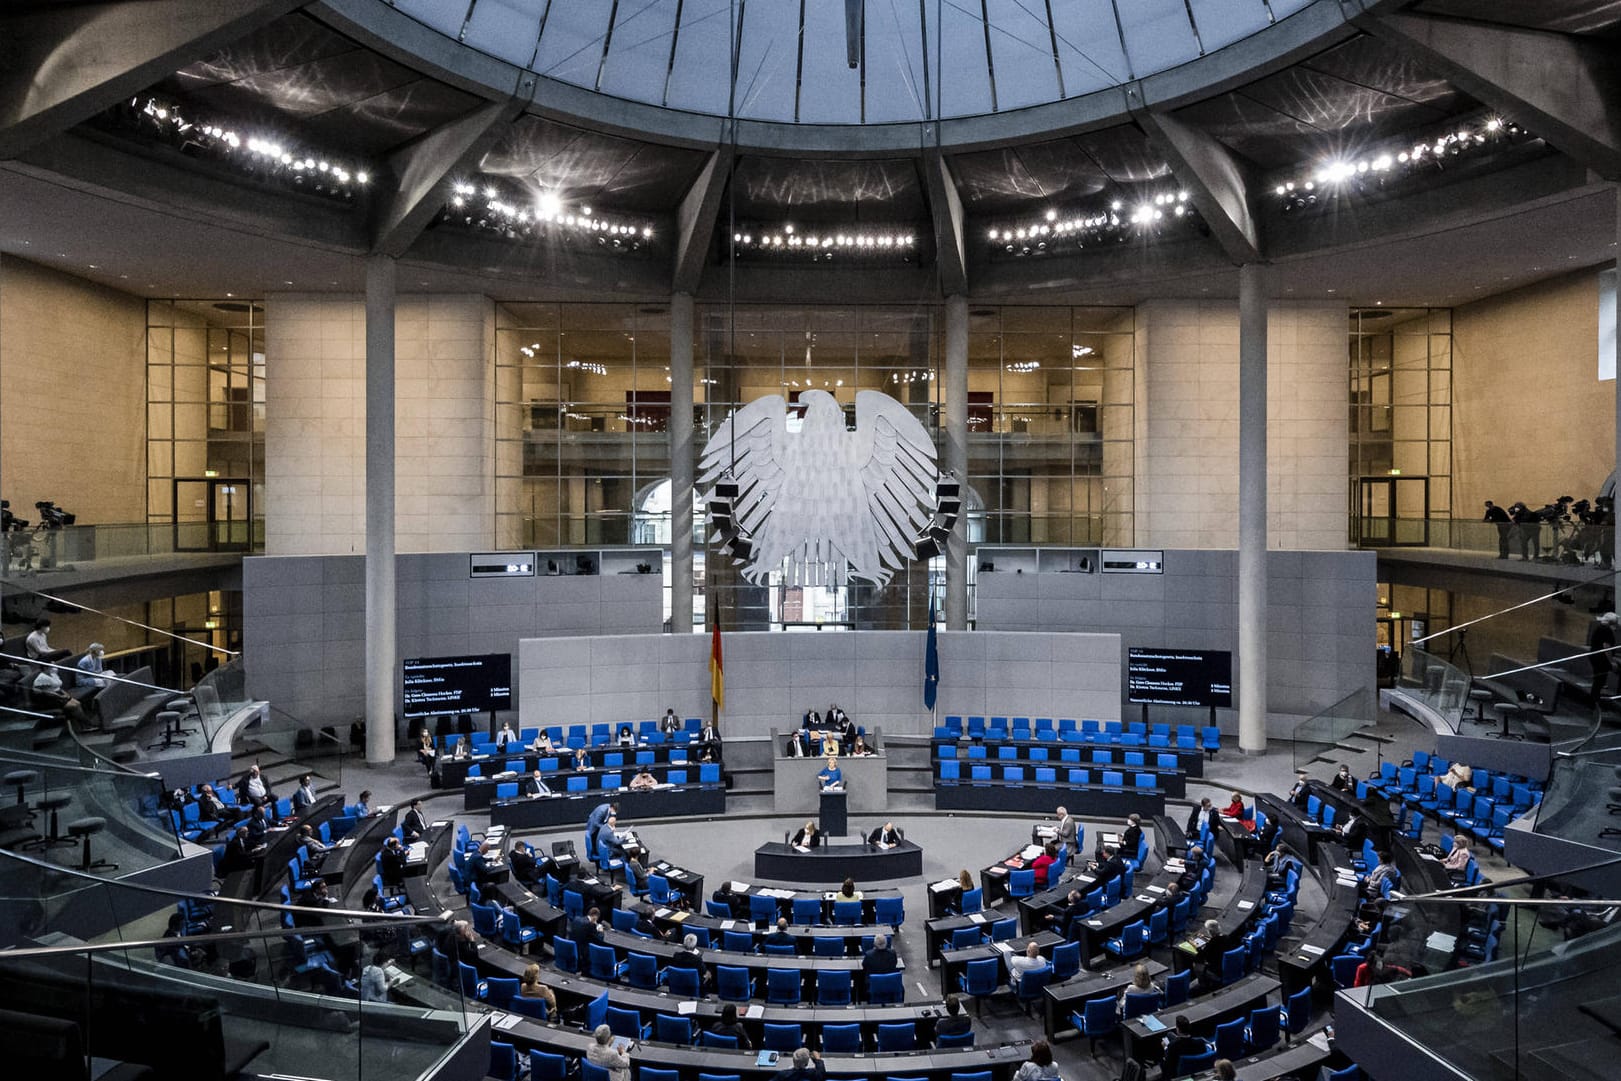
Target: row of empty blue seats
1008,753
951,773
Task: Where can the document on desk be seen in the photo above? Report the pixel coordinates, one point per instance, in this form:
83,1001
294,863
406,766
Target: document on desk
740,887
1245,906
1152,1023
345,843
727,925
977,917
507,1020
686,1007
1312,951
755,1012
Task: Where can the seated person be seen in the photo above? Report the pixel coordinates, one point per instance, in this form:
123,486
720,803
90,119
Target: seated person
1141,982
1193,868
799,743
1075,909
48,693
175,953
253,788
1372,885
258,826
362,806
835,717
318,848
669,724
536,785
885,836
530,987
582,758
808,836
414,824
91,678
240,852
464,748
374,979
543,745
779,937
485,862
812,721
831,774
586,929
1039,1066
1020,963
1110,867
1352,830
609,841
1131,839
880,959
1301,792
627,736
37,646
1458,775
643,780
709,736
955,1022
304,794
848,891
688,957
525,865
1277,863
506,737
848,733
1457,860
318,895
1040,865
1181,1043
728,1025
211,808
1237,811
1199,819
425,751
1343,781
859,748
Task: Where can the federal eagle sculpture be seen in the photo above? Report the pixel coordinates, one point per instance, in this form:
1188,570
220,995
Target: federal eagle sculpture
837,503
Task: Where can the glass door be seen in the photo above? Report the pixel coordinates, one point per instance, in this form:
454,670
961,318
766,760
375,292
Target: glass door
213,514
1393,511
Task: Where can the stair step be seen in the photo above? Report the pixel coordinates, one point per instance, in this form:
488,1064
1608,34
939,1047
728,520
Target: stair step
1371,736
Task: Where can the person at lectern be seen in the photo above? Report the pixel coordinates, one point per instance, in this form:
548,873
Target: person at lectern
885,836
808,836
831,774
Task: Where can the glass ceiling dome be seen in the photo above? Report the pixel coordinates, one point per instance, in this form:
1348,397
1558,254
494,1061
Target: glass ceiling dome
849,62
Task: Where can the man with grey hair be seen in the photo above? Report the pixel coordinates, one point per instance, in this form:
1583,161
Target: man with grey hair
602,1052
880,958
807,1067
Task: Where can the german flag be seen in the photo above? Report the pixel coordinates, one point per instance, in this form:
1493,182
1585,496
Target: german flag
717,674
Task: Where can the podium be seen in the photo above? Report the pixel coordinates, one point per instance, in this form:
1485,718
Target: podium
834,815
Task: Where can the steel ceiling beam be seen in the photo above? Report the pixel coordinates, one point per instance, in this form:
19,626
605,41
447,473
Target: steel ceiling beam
695,220
61,64
1217,182
419,168
1562,87
950,238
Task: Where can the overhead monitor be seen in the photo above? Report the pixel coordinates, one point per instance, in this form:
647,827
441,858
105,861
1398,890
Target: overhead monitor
475,684
1179,677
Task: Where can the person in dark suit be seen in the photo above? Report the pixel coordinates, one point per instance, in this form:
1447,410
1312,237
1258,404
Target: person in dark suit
813,720
1200,819
586,929
729,1025
258,827
391,862
525,867
253,787
1193,864
885,836
779,937
1075,909
535,785
415,823
1301,792
849,733
484,863
1110,867
1343,781
880,958
808,836
1179,1044
688,957
598,819
807,1066
955,1022
1353,831
240,852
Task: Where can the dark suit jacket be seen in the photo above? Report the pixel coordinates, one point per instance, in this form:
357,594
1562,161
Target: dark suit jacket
881,836
1130,840
1192,827
584,932
686,959
414,826
953,1026
524,866
878,962
813,841
814,1072
1179,1048
1109,869
238,855
778,938
531,788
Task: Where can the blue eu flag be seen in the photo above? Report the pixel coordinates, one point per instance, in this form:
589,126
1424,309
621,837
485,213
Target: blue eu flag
931,663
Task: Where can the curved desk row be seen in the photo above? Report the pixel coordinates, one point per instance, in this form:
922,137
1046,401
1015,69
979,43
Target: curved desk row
1083,801
479,792
452,771
1000,1061
572,809
623,943
1143,1036
739,901
835,863
1298,967
1062,999
1055,753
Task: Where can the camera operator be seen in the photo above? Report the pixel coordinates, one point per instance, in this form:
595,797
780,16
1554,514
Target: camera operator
1528,528
1498,517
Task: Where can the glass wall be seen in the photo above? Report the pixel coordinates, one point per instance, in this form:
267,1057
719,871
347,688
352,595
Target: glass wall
205,420
1401,424
583,406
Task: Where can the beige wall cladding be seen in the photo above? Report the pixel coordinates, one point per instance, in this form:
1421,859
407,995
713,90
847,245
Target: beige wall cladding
1530,418
315,431
1187,425
73,388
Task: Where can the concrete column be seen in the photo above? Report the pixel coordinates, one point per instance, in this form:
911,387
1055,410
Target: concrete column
1252,508
681,463
956,440
380,595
